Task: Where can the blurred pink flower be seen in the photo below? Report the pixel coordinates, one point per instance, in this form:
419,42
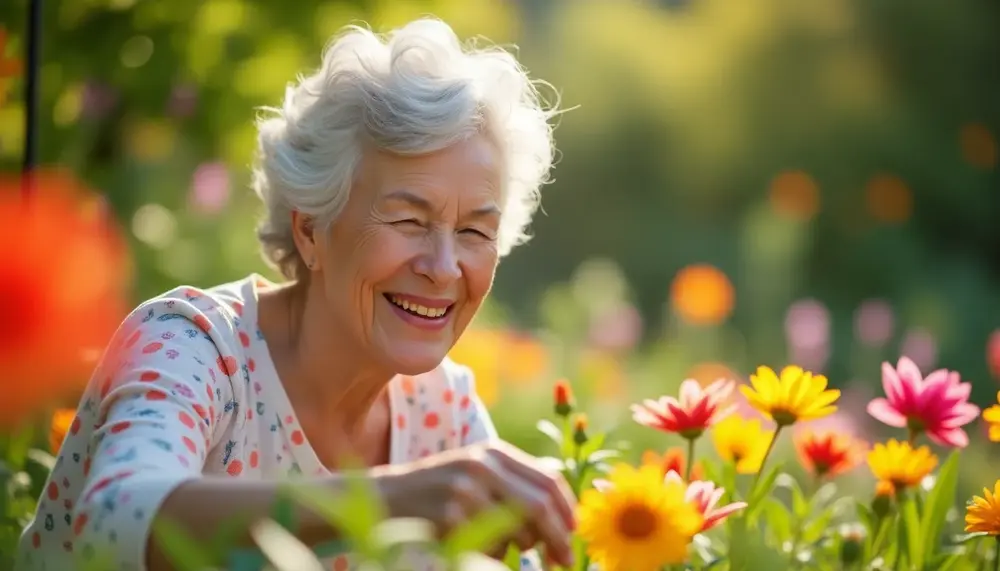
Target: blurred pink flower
209,187
617,329
98,100
704,496
920,346
807,328
937,405
874,322
993,354
692,414
183,101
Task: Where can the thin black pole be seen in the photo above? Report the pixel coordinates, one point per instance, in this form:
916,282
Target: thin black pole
33,33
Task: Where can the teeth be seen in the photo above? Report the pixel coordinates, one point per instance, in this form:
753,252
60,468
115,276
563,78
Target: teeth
419,309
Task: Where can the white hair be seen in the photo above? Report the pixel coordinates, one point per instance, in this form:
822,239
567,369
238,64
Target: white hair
414,91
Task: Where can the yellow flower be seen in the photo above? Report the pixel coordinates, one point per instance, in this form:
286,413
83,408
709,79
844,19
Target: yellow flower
797,395
639,522
983,514
992,418
743,441
900,464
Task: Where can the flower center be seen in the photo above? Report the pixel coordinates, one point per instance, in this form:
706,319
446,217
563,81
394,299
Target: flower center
637,521
914,424
783,417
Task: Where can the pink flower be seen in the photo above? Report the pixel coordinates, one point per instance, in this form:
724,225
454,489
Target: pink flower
938,405
704,496
695,411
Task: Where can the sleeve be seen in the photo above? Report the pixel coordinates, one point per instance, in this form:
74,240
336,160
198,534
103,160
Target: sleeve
159,410
476,424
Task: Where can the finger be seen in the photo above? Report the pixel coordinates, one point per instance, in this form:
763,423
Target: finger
526,466
522,492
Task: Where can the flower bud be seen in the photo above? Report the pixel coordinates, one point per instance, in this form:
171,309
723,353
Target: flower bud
851,546
884,494
563,396
580,429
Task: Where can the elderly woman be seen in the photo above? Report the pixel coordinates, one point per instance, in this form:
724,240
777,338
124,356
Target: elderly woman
394,178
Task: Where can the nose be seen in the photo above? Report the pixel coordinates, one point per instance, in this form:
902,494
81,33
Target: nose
440,263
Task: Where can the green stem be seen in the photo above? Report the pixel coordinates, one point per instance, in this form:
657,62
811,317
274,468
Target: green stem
913,436
763,462
690,460
996,555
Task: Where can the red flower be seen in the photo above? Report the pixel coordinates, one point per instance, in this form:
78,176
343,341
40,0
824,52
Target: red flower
62,291
828,454
563,396
695,411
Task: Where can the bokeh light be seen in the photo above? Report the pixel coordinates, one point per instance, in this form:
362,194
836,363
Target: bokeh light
617,328
874,322
795,194
920,346
979,146
807,329
701,294
888,199
993,354
210,186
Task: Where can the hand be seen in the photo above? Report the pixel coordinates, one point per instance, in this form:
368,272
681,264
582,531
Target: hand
450,488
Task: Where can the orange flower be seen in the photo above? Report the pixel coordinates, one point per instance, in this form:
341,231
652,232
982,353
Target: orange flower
673,459
62,291
62,420
580,429
828,454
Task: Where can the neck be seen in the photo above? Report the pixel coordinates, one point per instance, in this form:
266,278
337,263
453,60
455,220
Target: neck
325,375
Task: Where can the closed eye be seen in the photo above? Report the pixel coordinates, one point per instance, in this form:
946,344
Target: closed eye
477,233
408,222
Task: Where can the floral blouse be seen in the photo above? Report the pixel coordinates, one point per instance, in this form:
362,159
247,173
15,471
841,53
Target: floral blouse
187,389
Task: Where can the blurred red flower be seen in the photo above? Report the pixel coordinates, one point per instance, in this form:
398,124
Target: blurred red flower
63,293
993,354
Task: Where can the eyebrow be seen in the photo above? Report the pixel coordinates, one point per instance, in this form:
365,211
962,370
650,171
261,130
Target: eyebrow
424,204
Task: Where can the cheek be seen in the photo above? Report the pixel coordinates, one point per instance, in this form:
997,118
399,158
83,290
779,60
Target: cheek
478,267
372,256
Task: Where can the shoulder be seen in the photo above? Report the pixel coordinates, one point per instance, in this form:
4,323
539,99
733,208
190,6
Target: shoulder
217,310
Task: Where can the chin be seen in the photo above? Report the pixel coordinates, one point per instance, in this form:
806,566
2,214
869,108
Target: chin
414,364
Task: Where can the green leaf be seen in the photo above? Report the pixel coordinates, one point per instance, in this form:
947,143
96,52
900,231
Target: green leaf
512,559
909,528
282,549
183,551
552,431
966,537
355,512
800,505
778,520
764,487
593,444
940,499
485,531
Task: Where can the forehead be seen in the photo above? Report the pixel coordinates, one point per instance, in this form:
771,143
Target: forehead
469,170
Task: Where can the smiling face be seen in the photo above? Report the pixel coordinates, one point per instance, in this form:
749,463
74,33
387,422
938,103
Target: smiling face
407,264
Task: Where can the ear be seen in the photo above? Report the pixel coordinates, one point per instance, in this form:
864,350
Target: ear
304,234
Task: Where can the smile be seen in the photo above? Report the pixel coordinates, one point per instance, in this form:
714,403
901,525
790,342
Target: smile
439,311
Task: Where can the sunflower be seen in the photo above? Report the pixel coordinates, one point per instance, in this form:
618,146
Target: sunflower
900,464
796,395
743,441
639,522
982,515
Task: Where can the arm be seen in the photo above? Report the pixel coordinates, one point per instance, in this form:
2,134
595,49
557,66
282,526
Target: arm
158,413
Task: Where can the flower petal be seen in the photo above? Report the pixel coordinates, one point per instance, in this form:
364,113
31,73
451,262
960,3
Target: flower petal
954,437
